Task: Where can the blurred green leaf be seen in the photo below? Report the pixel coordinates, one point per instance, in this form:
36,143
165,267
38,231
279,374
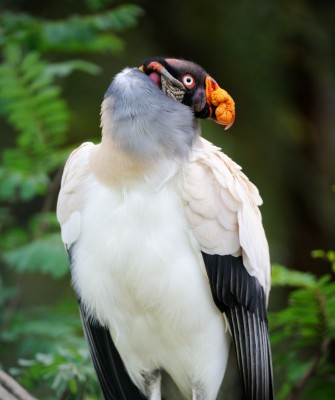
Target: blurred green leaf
325,255
61,70
282,276
31,329
63,370
16,185
37,111
45,255
90,33
96,5
306,328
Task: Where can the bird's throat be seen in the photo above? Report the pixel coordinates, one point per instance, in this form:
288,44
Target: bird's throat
111,164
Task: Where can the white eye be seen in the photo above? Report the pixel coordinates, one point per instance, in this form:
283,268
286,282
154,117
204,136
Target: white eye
188,81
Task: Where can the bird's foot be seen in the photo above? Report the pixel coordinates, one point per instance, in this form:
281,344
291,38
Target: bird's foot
152,382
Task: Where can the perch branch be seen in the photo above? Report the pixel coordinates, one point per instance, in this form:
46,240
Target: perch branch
12,390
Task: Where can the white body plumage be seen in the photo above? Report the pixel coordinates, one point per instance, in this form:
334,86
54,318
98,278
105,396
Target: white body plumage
139,271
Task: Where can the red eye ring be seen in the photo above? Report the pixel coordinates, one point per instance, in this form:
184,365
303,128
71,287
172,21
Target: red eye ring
188,81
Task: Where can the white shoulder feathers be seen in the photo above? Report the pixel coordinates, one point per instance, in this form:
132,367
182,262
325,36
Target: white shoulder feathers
77,169
221,206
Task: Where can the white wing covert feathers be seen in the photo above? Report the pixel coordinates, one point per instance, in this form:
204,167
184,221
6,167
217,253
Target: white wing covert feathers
221,206
76,170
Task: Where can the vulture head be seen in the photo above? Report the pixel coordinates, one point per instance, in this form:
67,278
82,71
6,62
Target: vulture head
151,112
191,85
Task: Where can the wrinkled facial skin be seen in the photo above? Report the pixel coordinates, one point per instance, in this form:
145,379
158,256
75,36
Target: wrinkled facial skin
188,81
191,85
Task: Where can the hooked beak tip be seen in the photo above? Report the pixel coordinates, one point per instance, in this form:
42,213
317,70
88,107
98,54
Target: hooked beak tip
230,124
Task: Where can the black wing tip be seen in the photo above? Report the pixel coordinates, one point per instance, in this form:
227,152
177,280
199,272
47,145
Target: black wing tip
241,297
113,378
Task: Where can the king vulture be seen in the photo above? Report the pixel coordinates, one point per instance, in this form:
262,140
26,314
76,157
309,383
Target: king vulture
169,259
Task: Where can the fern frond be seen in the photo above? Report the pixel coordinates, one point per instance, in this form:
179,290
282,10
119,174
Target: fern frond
91,33
31,101
88,33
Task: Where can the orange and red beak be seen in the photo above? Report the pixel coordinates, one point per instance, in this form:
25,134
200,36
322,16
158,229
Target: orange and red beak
220,103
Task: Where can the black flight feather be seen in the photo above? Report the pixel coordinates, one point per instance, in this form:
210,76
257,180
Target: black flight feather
241,297
114,380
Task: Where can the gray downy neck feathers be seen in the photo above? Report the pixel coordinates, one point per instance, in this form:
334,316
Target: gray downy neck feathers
144,121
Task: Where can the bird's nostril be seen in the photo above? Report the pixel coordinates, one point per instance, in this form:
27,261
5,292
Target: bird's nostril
199,103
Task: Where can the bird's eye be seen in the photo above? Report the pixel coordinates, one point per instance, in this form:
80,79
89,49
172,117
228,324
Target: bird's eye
188,81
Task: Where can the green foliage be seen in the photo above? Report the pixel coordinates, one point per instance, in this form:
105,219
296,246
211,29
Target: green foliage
30,100
37,121
45,367
91,33
88,33
67,372
302,334
281,276
45,255
48,370
33,106
31,328
325,255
